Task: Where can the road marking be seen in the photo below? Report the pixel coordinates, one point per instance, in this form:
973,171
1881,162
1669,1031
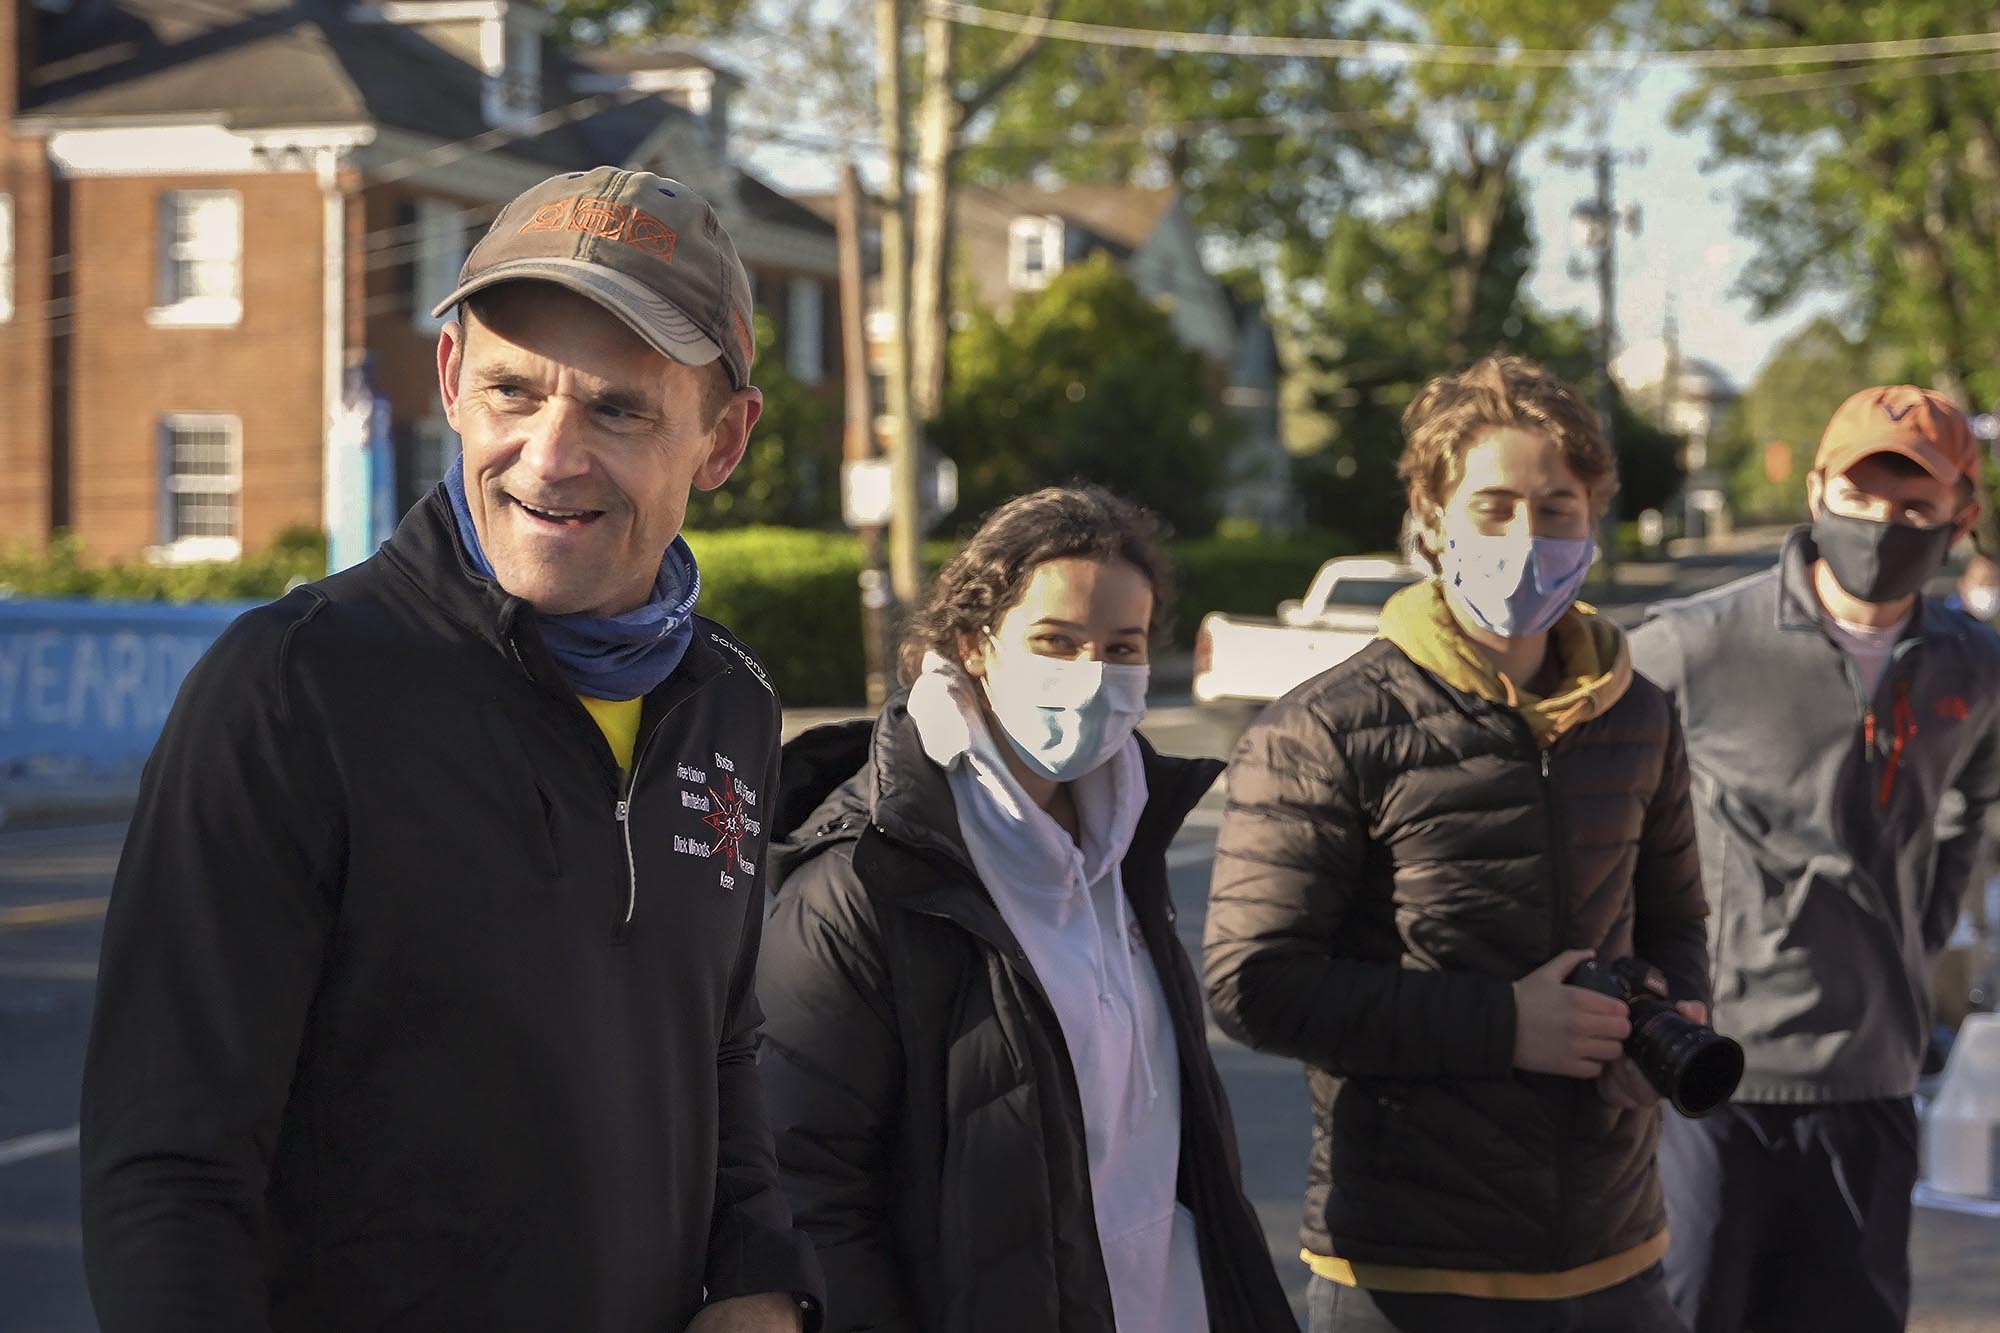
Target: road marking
39,1145
52,914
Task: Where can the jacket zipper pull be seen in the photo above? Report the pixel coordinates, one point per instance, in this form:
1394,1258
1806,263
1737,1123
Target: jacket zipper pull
1868,730
1545,763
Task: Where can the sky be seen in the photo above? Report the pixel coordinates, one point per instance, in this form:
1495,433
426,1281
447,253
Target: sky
1686,246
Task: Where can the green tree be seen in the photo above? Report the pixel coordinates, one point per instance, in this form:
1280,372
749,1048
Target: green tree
1085,379
790,475
1866,181
1379,318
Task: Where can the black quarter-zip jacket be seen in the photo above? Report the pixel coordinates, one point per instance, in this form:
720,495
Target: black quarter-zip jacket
413,1013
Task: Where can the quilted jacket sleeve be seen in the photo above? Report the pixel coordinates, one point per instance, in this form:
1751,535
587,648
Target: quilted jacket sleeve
1290,867
832,1066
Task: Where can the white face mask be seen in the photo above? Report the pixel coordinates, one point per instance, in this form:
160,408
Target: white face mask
1514,586
1065,718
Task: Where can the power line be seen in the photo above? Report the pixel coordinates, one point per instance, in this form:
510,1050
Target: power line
1846,78
1388,51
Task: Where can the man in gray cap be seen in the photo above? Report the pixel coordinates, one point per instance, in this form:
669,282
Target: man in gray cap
426,995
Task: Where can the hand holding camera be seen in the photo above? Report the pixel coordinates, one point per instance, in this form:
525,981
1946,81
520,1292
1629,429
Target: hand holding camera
1686,1061
1565,1029
1584,1019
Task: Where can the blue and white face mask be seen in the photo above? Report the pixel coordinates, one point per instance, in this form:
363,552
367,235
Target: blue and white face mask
1065,718
1512,586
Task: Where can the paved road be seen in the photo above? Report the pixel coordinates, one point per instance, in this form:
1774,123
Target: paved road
53,883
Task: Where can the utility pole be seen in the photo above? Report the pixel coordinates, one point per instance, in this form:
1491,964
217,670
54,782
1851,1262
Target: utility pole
858,440
905,432
1596,225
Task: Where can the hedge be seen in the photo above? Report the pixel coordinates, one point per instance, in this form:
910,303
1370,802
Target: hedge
792,594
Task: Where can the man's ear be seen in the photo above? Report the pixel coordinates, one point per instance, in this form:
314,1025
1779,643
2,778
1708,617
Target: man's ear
730,438
1967,521
450,359
1815,492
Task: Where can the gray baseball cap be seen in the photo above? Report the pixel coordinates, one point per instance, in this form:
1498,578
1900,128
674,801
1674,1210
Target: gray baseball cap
645,247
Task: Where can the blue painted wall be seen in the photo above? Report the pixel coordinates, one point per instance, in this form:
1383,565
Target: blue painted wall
85,686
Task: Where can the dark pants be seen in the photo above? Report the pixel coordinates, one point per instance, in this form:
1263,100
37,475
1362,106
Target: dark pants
1639,1305
1791,1217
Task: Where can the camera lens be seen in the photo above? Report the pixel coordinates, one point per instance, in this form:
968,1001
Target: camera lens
1694,1067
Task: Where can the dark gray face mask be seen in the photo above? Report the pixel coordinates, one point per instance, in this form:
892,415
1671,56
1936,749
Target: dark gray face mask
1876,561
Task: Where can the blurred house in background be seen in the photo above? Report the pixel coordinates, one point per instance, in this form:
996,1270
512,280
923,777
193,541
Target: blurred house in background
1008,242
223,225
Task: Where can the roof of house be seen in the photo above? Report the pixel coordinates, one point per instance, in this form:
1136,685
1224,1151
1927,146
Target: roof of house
640,59
261,64
1124,216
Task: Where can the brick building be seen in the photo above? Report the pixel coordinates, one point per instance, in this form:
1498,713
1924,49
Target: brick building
218,220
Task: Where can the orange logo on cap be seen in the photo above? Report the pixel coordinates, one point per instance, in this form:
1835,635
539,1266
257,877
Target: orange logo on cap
610,221
743,337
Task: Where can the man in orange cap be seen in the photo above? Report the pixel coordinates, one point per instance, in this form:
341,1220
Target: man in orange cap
1832,711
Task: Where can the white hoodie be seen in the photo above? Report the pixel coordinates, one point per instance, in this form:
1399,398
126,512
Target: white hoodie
1067,908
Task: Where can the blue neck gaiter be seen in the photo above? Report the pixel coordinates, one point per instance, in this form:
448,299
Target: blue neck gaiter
607,657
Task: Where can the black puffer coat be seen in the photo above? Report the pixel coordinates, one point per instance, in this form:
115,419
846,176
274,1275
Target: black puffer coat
929,1134
1395,855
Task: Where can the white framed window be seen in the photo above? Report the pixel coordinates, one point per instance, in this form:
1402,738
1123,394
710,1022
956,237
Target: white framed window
433,444
201,258
1034,252
6,257
441,250
805,329
511,48
201,487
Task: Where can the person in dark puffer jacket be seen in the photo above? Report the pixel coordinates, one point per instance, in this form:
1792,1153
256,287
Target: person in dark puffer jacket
1420,846
984,1052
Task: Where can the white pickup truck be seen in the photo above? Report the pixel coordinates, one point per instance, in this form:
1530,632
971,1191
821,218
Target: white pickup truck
1258,658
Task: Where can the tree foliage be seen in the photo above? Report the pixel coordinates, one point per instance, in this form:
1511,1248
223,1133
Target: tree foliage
1880,183
1380,322
1269,151
1085,379
790,475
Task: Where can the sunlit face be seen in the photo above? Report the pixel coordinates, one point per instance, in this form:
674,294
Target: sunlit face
1512,482
1076,609
1877,489
581,443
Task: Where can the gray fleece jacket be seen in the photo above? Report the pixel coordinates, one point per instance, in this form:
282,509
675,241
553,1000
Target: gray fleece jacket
1837,832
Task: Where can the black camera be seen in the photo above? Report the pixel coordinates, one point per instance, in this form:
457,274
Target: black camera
1693,1066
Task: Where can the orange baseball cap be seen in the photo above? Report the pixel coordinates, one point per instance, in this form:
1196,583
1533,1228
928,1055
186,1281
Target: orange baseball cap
1921,425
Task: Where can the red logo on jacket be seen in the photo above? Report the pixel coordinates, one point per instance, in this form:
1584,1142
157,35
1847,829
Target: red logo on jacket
1952,707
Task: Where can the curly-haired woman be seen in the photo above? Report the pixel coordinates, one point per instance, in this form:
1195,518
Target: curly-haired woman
984,1046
